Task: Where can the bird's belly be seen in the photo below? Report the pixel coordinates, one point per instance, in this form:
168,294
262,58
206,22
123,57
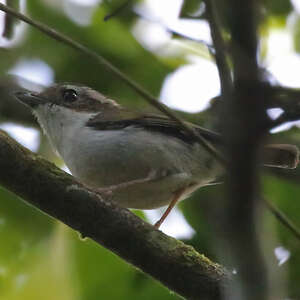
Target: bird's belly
119,158
139,192
152,195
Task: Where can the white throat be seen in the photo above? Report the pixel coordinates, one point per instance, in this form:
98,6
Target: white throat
61,124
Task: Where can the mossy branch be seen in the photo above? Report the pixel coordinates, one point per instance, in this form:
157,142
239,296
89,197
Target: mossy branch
174,264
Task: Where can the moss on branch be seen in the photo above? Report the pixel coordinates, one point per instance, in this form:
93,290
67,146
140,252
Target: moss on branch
174,264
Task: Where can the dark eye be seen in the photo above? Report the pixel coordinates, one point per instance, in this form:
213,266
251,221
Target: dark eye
69,95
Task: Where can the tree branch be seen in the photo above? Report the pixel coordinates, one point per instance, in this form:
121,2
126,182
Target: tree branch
243,133
58,194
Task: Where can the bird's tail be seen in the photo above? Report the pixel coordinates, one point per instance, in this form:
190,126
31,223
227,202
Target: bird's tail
280,156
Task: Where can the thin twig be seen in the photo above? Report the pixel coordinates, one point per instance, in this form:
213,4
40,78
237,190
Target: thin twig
284,118
220,47
139,14
117,10
133,84
209,47
9,21
282,218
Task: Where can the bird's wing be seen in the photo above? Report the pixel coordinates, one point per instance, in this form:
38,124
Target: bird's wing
120,119
280,156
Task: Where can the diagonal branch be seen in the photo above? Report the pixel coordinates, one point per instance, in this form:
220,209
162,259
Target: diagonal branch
58,194
282,218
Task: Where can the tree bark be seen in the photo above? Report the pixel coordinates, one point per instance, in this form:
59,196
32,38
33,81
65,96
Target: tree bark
174,264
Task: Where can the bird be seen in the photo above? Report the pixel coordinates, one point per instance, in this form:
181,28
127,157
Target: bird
138,160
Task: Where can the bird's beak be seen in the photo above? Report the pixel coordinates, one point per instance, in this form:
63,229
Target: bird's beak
30,99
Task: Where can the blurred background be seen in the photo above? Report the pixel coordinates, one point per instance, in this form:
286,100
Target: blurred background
165,46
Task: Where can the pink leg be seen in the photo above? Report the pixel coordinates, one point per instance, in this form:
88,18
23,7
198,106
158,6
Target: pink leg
177,196
151,176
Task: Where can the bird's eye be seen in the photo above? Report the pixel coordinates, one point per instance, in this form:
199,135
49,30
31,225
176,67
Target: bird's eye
69,95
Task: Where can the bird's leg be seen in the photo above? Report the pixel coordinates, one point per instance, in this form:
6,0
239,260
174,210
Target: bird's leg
177,196
109,189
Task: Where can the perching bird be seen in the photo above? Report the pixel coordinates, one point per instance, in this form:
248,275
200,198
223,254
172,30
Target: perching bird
141,161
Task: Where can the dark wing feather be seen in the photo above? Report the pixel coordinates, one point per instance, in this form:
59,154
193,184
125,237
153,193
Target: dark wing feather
120,119
282,156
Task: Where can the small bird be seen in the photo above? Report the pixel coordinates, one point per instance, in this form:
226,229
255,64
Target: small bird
141,161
